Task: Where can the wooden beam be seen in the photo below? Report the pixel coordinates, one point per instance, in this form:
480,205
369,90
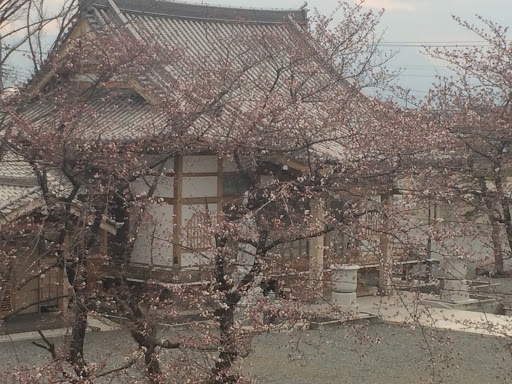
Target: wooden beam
220,178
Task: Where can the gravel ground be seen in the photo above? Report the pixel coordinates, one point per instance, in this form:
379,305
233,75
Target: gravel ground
380,354
102,347
376,354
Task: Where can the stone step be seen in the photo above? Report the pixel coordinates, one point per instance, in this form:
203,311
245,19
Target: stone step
334,322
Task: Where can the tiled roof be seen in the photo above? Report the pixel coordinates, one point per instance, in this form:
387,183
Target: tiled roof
212,35
14,198
19,189
119,114
201,12
207,36
13,166
18,185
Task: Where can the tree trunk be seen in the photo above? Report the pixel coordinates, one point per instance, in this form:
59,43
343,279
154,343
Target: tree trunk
316,256
226,317
494,217
498,252
76,271
142,329
386,244
76,347
77,277
229,351
508,223
505,208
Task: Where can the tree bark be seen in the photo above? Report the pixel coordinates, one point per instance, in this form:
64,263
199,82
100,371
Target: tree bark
505,208
498,252
386,244
76,347
494,217
229,351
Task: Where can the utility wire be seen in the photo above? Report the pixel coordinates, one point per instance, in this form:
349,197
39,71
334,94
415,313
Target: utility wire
435,44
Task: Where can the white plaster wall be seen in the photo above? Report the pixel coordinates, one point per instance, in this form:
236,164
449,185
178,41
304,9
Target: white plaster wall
169,165
200,164
164,188
229,166
153,245
140,186
203,186
152,159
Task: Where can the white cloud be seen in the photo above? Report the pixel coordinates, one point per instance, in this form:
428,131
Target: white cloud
396,5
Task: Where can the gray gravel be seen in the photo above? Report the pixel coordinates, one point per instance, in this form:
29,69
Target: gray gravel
377,354
381,354
108,348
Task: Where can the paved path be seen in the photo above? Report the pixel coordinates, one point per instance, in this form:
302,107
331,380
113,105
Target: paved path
408,309
95,324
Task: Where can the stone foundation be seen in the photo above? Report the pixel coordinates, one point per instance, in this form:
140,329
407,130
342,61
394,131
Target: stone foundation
344,300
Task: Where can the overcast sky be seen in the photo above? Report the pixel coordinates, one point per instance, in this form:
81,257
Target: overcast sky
413,21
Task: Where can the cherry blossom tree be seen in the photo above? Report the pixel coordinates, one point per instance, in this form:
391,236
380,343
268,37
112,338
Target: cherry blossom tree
471,110
27,30
287,109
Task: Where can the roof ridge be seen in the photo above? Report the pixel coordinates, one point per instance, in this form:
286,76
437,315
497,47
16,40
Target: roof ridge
207,5
204,11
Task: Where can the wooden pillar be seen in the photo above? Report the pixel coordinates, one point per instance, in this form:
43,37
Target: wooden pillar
316,250
178,209
386,245
63,291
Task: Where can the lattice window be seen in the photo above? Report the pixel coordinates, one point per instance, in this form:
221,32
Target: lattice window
198,230
373,222
293,250
6,290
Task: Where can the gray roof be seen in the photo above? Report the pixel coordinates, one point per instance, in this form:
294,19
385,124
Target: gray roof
207,36
119,114
199,11
19,190
18,184
256,42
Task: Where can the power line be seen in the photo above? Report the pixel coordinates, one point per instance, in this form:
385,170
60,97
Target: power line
426,68
403,44
434,46
420,66
421,76
436,42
